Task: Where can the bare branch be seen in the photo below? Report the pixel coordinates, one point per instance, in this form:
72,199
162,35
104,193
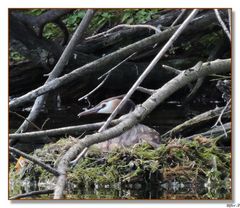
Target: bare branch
108,72
32,193
29,136
217,131
171,69
24,118
57,70
150,67
219,120
105,33
95,89
145,90
36,161
179,17
193,122
200,22
222,24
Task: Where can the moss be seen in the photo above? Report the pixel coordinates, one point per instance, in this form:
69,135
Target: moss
179,160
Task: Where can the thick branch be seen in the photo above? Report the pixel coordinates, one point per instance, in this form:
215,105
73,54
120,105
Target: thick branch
57,70
71,130
110,59
149,68
194,122
140,112
32,193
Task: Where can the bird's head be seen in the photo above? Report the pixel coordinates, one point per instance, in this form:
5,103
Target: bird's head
108,106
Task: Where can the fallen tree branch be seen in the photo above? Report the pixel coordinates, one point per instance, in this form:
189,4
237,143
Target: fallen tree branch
219,120
145,90
29,136
200,22
32,193
57,70
122,26
140,112
217,131
179,17
222,24
35,161
194,122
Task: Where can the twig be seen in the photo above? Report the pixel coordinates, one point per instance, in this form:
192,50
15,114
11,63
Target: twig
95,89
32,193
44,123
75,161
179,16
230,20
24,118
222,24
219,120
108,72
217,131
171,69
34,160
124,25
145,90
150,67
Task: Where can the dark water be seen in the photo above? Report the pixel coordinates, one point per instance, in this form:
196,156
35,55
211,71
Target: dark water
163,118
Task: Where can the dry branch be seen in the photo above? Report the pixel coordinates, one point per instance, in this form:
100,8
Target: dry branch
29,137
57,70
32,193
195,121
110,59
35,160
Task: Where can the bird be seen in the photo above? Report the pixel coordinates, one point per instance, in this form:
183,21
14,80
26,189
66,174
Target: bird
137,134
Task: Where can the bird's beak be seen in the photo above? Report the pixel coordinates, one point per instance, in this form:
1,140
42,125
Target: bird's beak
89,111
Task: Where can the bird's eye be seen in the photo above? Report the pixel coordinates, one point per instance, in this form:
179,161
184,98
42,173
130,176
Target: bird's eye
103,105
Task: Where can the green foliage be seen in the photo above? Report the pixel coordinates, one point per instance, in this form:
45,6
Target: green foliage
136,16
73,20
35,12
15,56
101,18
51,31
110,17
